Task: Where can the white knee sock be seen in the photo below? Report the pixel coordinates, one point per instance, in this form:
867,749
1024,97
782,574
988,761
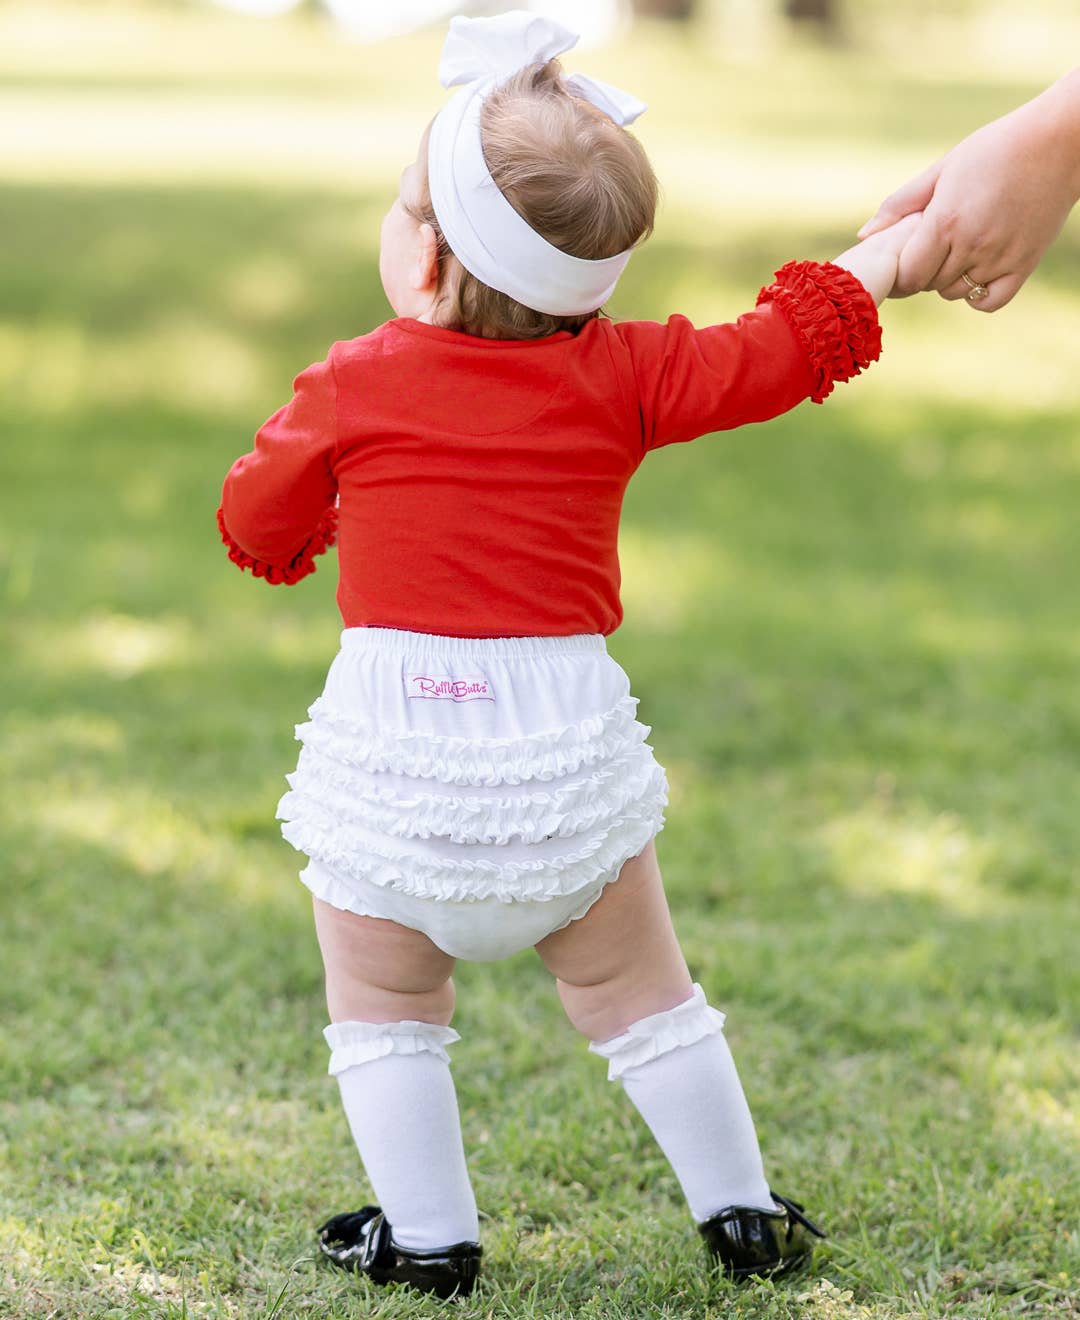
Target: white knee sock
677,1069
402,1108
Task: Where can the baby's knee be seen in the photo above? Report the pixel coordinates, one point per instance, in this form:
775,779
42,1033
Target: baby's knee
607,1008
587,1007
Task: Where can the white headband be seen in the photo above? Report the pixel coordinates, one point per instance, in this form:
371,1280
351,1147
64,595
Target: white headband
485,233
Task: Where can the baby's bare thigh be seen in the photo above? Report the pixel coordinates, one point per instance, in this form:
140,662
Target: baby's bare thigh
379,971
622,960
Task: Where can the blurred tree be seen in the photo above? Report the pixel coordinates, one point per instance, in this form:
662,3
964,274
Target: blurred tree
680,9
819,11
824,14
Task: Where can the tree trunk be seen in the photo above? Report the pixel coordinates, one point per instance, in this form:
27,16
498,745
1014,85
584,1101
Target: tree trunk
680,9
823,13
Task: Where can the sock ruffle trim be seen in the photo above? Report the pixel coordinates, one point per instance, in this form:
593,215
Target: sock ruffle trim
834,317
658,1034
362,1042
299,566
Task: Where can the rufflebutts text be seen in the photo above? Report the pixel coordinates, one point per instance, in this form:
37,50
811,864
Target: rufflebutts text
442,687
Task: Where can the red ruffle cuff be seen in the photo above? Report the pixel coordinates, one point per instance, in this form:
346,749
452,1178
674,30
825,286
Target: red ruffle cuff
832,314
300,565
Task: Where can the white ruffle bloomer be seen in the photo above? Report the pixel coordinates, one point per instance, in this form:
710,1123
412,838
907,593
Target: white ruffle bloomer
483,791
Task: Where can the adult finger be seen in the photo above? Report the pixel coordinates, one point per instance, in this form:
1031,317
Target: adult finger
982,259
998,291
913,196
955,289
962,261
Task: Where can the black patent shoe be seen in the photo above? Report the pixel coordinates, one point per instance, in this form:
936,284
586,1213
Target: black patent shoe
747,1242
363,1241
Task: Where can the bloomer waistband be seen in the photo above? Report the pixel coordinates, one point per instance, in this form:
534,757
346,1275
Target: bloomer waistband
398,641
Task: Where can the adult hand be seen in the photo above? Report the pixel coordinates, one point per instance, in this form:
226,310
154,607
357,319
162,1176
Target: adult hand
992,205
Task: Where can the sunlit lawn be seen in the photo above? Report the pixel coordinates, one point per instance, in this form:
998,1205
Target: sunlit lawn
855,632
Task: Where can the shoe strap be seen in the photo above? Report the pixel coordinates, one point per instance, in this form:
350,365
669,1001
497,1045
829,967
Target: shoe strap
795,1210
376,1238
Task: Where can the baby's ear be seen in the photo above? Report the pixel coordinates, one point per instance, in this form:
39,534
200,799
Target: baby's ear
426,271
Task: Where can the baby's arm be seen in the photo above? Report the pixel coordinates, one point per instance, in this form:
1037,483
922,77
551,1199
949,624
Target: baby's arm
815,325
278,502
875,261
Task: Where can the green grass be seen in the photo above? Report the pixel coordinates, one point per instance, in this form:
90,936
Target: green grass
854,632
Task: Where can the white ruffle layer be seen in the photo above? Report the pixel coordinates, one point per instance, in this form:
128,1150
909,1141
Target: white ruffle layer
542,756
319,774
649,1037
563,812
361,1042
355,852
514,819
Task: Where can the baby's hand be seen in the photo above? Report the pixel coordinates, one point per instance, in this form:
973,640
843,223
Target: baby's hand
876,259
897,236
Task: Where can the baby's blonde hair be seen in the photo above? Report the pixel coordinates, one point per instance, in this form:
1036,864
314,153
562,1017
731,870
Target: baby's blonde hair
573,174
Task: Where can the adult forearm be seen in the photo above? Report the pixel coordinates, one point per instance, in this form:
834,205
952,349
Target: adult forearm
1058,113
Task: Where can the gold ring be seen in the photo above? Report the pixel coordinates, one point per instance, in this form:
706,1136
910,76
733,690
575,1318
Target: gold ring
977,291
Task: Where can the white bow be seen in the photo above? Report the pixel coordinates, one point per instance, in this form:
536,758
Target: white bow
497,47
485,233
478,49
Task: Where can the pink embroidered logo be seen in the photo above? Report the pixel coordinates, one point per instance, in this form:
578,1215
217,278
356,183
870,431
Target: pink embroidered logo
445,688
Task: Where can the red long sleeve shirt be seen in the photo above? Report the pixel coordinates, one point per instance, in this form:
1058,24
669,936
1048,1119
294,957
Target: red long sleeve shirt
479,482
